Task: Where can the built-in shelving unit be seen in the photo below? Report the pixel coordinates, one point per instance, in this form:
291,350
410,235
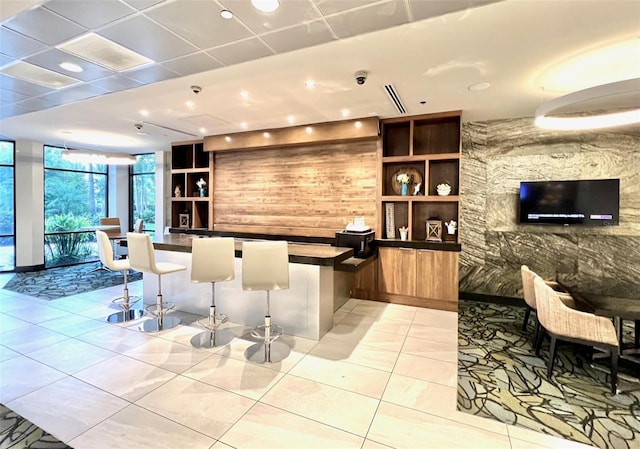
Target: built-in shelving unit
426,147
189,164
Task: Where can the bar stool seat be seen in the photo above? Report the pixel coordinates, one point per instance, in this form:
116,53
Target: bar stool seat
212,260
265,266
125,301
142,258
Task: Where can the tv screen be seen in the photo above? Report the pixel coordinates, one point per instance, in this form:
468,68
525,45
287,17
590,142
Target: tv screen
591,202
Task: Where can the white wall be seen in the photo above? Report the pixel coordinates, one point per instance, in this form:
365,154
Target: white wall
29,185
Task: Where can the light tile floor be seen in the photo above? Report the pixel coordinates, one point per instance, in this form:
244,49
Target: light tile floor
385,376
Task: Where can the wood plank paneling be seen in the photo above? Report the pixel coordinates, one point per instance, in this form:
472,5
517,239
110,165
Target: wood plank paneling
318,188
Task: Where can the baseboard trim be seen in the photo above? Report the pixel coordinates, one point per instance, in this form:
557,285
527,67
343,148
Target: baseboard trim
30,268
503,300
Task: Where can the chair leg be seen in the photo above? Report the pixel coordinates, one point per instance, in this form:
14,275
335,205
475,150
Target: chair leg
526,319
539,338
552,356
615,352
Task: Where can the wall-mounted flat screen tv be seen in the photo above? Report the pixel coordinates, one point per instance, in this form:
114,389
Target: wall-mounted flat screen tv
589,202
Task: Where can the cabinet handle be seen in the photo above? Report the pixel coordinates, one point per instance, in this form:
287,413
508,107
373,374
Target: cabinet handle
406,249
426,250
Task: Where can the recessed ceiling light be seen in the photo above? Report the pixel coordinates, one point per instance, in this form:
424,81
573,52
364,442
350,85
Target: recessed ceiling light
71,67
345,112
266,135
244,94
226,14
358,124
308,129
291,119
190,104
310,84
479,86
203,130
265,5
227,138
244,125
144,113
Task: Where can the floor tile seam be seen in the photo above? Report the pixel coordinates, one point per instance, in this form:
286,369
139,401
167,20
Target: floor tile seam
173,420
315,420
358,364
365,344
422,412
66,337
114,354
334,386
431,358
380,318
129,404
160,367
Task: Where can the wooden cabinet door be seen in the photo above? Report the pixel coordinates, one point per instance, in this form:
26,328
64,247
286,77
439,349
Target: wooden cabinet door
397,271
437,274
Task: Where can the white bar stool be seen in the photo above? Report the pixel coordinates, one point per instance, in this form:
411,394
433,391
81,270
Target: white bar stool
106,257
212,260
142,258
265,266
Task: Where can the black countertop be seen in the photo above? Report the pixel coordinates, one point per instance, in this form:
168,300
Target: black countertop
303,253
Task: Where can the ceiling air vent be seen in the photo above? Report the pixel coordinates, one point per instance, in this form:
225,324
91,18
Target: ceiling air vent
394,98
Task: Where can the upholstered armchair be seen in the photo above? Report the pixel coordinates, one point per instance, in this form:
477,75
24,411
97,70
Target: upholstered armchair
564,323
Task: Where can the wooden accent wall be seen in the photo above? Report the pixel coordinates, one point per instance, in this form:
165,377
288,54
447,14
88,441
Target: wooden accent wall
308,190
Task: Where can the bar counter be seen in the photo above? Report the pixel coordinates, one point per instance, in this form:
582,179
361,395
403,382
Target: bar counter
316,288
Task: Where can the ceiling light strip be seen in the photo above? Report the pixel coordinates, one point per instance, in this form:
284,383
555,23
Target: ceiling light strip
97,157
544,119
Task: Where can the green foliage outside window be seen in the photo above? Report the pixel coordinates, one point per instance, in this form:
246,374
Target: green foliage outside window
67,247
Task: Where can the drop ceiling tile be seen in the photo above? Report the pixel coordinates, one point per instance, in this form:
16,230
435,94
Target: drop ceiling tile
365,20
4,60
151,74
146,37
188,65
116,83
22,87
142,4
305,35
12,110
45,26
16,45
425,10
328,7
35,104
90,14
288,14
199,22
9,96
51,60
205,121
241,51
75,93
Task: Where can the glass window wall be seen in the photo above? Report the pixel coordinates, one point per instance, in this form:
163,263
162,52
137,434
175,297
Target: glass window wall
7,207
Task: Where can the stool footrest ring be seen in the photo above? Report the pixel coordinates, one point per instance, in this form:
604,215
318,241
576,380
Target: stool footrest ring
260,331
220,319
120,301
154,310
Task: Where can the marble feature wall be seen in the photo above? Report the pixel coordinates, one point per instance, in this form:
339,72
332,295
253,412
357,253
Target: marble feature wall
496,156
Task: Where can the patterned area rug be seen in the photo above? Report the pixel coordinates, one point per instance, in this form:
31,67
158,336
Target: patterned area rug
16,432
500,377
55,283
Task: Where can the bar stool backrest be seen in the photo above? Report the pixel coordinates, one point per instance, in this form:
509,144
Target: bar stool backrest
141,255
111,221
265,265
105,250
213,259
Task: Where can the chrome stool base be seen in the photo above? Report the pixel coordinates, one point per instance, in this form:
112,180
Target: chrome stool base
153,324
273,352
208,339
123,317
